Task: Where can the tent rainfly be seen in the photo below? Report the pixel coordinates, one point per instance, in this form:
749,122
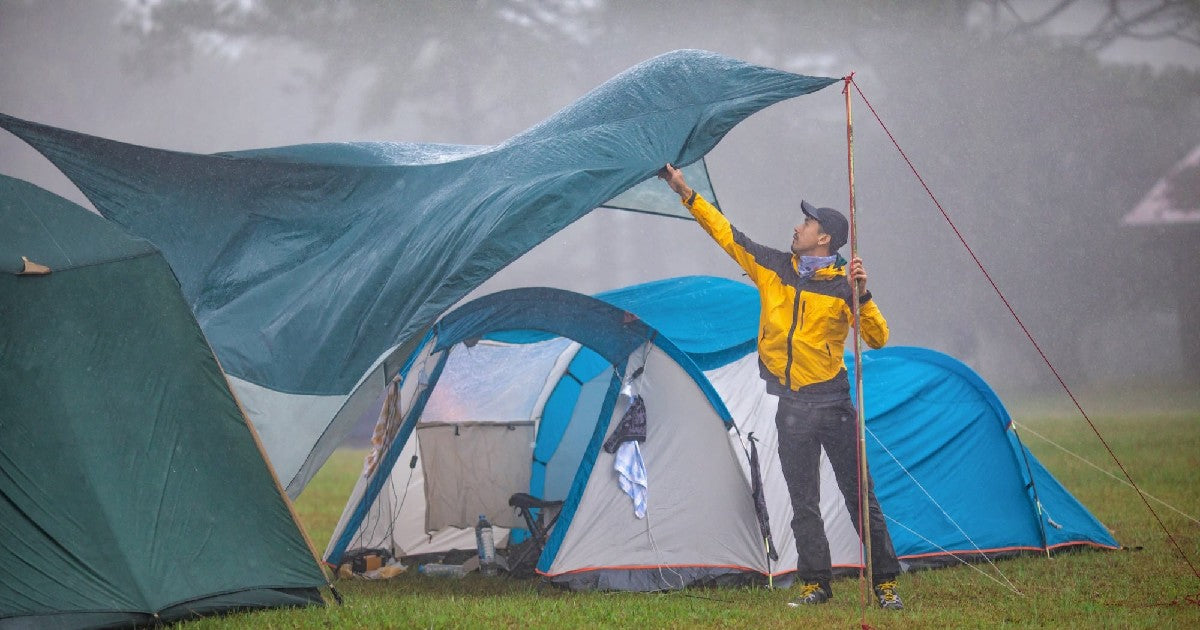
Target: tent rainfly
132,487
518,391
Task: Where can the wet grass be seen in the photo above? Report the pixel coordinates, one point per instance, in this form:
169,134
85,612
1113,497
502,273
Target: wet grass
1146,586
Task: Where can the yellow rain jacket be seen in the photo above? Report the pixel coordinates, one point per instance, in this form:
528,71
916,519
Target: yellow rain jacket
803,322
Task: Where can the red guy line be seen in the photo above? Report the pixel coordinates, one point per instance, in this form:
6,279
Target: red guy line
1182,553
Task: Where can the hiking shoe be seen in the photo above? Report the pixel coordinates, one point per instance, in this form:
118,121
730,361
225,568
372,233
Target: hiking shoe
888,598
810,594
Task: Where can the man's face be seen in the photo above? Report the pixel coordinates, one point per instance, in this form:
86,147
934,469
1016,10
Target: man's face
808,238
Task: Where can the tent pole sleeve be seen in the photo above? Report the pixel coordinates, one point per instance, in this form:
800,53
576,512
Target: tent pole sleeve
1037,501
863,479
579,484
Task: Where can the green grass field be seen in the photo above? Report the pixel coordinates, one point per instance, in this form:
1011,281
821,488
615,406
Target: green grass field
1146,586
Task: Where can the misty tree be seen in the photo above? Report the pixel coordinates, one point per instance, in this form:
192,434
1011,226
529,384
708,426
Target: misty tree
1143,20
1044,147
442,59
431,56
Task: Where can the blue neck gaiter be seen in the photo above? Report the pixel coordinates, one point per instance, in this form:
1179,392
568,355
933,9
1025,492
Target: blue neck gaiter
808,265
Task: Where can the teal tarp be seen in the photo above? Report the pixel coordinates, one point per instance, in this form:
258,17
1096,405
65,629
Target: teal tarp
306,264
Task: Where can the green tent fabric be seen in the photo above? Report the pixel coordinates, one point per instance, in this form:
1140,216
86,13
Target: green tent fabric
311,267
131,486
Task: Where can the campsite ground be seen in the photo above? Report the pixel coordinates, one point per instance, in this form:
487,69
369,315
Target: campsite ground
1146,586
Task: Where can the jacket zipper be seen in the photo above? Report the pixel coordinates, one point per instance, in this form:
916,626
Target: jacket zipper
797,321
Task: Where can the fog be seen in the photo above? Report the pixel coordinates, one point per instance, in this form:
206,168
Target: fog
1034,144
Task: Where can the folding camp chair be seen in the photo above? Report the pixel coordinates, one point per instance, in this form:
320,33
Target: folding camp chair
530,550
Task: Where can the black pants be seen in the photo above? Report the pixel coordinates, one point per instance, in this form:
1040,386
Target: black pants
803,429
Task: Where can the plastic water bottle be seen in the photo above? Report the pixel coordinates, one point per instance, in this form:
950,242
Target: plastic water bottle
442,570
486,545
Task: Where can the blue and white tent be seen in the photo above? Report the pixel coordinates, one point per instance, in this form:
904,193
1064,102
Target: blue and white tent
518,390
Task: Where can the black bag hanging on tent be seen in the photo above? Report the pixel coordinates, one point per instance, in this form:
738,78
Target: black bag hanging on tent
633,422
631,427
760,500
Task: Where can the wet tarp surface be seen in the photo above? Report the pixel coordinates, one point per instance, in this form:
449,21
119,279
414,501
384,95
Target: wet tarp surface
305,264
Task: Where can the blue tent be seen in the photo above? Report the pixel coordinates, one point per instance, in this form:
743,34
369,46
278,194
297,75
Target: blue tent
516,392
311,268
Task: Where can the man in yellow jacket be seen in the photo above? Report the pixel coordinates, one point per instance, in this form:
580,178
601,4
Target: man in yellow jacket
804,320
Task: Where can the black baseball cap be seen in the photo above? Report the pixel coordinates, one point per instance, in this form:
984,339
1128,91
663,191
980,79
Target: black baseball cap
832,222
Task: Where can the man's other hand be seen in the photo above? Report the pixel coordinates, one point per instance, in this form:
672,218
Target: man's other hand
857,275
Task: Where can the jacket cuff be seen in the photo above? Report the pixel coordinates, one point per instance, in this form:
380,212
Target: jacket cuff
691,200
864,298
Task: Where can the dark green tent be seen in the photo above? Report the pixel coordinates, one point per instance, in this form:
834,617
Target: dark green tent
132,488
